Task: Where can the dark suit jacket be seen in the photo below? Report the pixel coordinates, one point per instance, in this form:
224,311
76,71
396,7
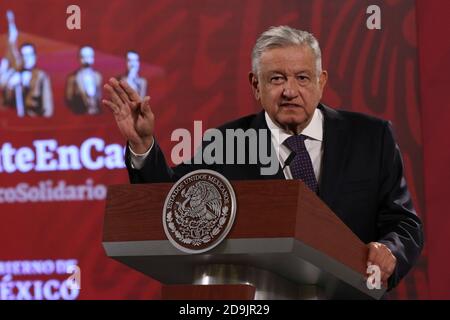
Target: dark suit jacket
362,180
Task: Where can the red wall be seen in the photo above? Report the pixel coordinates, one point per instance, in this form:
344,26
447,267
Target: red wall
434,56
196,55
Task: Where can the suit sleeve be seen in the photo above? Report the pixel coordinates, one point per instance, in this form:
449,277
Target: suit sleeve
400,229
156,169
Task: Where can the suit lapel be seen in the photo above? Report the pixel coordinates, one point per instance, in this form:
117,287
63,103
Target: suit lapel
336,143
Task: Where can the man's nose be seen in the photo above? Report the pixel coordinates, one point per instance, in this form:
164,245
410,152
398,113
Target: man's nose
290,89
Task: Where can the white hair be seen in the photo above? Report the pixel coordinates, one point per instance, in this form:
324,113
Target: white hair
281,37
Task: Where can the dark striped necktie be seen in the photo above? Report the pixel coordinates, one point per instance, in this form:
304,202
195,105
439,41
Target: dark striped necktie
301,166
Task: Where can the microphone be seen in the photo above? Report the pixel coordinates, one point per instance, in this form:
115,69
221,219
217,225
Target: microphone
289,160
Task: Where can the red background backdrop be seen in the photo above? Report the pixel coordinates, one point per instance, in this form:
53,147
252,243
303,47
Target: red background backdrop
434,53
195,55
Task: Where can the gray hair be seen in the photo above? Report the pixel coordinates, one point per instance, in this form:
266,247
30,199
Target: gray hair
284,36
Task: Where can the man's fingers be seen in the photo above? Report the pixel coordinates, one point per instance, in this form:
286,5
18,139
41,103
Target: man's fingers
373,253
115,109
145,107
134,105
119,90
381,256
114,97
132,94
386,260
387,266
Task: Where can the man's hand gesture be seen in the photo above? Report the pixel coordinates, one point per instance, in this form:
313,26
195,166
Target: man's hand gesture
133,115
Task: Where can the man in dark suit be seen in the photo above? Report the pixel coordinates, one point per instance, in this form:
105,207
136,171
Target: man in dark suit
350,160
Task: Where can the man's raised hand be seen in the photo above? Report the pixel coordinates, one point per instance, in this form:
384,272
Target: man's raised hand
133,115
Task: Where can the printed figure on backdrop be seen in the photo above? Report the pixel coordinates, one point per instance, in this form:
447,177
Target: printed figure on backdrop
24,87
132,75
9,62
83,87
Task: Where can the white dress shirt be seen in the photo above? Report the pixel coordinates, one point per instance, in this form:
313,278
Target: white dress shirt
137,159
313,143
314,132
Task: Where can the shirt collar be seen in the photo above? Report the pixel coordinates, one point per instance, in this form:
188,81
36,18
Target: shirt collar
314,130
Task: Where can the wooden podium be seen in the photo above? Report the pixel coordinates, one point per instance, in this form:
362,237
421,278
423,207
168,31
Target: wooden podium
285,244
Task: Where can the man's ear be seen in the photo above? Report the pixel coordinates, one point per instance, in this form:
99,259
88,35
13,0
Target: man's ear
323,79
254,83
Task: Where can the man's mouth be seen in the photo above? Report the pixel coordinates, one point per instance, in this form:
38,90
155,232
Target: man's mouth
290,105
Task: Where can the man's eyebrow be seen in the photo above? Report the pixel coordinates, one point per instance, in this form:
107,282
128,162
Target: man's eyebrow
304,71
275,71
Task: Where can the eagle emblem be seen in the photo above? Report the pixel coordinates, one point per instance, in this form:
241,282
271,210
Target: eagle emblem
199,211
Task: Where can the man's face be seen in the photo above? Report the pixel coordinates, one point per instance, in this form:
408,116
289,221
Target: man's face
28,56
288,86
87,55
